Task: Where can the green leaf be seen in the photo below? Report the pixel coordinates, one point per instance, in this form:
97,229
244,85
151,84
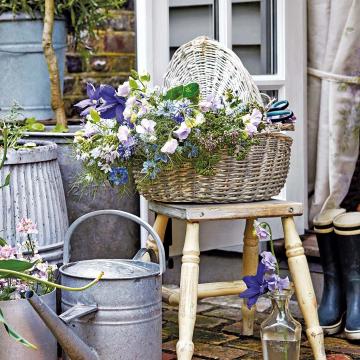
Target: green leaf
15,265
134,74
175,93
94,115
145,77
30,121
191,90
60,129
13,334
36,126
2,242
6,182
133,84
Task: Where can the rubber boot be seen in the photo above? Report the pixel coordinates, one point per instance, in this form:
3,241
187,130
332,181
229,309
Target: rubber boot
332,306
347,227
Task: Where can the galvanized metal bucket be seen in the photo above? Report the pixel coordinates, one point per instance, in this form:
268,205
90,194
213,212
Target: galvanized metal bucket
23,70
120,317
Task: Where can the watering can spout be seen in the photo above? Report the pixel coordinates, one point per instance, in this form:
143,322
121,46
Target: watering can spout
74,347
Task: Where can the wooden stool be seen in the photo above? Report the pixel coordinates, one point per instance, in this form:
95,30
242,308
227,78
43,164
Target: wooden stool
190,291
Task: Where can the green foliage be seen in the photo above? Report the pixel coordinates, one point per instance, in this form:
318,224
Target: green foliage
60,129
81,15
190,91
13,334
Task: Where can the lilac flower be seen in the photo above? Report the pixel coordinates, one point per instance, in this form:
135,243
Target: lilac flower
170,146
276,283
26,226
269,260
250,129
256,286
118,176
92,101
90,129
210,103
123,133
124,89
146,127
261,232
7,252
255,117
113,105
182,132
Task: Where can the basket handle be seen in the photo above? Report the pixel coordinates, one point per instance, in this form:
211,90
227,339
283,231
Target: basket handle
77,222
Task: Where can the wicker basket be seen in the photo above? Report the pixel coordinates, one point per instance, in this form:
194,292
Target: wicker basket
260,176
263,172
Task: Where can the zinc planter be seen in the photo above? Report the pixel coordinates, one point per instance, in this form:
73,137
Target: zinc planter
103,236
35,192
23,69
23,318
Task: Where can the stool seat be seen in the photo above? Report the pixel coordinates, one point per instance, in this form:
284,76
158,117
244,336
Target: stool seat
190,290
205,212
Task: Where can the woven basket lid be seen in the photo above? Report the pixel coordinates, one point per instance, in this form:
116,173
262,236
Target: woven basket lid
214,67
323,222
347,224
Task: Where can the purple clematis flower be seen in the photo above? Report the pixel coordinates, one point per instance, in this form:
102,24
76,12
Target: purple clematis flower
269,260
92,102
113,105
275,282
256,286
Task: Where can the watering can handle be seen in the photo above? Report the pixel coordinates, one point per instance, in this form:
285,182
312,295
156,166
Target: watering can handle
77,222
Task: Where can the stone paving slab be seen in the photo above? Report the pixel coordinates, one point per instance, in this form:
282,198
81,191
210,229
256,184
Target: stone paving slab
218,333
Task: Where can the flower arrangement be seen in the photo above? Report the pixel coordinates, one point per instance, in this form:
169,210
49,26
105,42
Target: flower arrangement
267,278
149,130
26,251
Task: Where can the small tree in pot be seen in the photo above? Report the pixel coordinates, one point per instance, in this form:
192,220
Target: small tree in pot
82,18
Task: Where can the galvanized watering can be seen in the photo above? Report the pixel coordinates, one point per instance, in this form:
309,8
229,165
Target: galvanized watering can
119,317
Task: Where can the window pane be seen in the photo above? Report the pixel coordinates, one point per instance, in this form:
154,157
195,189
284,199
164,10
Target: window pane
189,19
254,35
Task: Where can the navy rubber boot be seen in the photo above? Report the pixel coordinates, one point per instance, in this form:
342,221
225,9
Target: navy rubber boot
347,226
333,304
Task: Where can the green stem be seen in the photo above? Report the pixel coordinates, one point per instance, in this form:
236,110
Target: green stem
264,224
49,283
5,141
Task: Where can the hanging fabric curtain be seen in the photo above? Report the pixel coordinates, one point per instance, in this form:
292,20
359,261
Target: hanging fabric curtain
333,100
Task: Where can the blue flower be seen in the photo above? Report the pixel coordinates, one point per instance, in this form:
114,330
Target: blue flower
150,168
113,105
126,151
256,286
118,176
159,156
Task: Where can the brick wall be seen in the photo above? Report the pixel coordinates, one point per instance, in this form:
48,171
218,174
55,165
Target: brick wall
110,61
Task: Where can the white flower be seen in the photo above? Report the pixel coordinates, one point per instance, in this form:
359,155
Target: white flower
104,167
108,123
90,129
123,133
95,153
124,89
170,146
199,119
250,129
146,127
255,117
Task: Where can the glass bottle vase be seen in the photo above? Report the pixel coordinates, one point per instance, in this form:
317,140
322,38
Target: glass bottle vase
280,332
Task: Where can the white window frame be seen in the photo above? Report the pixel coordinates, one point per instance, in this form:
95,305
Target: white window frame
290,80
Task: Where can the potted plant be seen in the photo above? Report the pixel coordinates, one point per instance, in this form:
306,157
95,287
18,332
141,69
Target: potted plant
178,146
280,332
37,30
35,189
23,269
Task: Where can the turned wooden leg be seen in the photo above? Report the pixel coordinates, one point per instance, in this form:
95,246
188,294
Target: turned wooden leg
250,264
160,227
300,274
188,292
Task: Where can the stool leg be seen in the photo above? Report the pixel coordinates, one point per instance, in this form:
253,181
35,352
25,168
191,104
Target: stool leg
250,264
188,292
160,227
300,274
